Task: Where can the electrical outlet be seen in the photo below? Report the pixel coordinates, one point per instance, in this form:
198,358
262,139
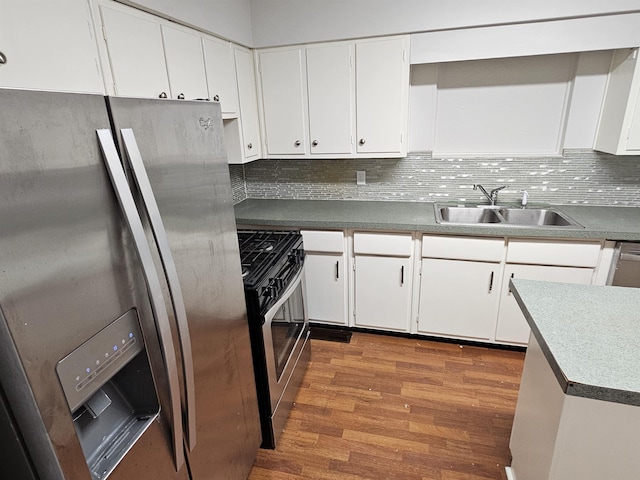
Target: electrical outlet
361,178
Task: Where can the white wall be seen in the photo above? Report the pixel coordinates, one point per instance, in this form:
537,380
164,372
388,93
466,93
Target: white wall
229,19
281,22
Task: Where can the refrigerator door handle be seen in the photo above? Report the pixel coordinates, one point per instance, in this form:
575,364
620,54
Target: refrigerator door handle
128,207
141,179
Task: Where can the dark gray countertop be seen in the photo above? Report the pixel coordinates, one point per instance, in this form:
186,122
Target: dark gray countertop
590,335
609,223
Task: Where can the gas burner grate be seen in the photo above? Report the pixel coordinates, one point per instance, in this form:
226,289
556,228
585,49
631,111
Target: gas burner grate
262,250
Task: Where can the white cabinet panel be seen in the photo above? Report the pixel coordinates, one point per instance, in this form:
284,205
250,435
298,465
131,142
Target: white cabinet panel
554,252
512,327
463,248
619,124
185,64
283,96
247,96
221,74
383,292
330,97
323,241
459,298
326,288
381,95
49,46
136,53
382,244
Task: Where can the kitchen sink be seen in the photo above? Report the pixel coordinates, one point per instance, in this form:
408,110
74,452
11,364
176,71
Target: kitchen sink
543,217
467,215
509,217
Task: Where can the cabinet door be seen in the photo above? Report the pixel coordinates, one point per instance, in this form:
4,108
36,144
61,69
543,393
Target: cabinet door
459,298
330,97
633,137
381,96
326,288
248,101
383,292
136,53
512,327
49,46
221,75
185,64
283,101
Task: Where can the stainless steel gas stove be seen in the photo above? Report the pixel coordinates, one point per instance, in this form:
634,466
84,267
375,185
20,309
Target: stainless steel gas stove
273,273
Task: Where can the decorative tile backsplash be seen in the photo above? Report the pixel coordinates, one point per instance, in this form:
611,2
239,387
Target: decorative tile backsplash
576,177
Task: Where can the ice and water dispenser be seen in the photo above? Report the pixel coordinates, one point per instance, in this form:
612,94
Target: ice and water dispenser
111,394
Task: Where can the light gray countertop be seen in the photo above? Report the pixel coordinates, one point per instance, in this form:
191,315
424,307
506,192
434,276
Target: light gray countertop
590,336
609,223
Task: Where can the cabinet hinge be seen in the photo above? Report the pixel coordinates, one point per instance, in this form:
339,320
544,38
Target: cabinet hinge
404,54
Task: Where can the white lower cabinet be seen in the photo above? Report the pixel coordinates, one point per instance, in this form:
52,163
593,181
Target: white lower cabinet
383,281
512,326
326,276
464,282
459,298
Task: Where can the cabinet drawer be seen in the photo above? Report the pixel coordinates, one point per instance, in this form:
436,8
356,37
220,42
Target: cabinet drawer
551,252
321,241
382,244
463,248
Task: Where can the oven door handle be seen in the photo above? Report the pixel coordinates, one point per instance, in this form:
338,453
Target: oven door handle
284,296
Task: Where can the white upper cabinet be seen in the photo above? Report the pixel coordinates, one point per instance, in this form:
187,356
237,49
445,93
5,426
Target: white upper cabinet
185,63
330,99
49,46
135,52
221,74
382,95
314,97
247,96
283,102
619,125
307,100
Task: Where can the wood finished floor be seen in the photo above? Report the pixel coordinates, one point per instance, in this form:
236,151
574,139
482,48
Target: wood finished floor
385,407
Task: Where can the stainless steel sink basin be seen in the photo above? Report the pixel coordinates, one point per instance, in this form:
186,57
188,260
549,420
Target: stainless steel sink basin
536,217
509,217
467,215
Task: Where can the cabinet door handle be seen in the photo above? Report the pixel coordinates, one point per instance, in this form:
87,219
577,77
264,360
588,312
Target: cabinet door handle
337,270
250,146
402,275
314,143
3,58
181,96
162,95
509,292
361,142
216,98
491,282
297,143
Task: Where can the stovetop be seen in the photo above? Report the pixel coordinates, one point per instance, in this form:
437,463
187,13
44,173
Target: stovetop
270,262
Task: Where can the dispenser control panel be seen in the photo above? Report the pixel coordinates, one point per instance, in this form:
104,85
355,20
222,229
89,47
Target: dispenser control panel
93,363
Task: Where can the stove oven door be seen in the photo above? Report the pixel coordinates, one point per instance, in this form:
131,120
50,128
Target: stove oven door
285,332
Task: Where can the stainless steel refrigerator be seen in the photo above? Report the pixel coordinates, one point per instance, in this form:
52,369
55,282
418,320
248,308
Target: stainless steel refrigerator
124,345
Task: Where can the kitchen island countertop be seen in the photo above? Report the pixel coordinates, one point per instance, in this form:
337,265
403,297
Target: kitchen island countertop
589,334
599,222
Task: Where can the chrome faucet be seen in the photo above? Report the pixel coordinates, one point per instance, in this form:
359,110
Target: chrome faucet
492,196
